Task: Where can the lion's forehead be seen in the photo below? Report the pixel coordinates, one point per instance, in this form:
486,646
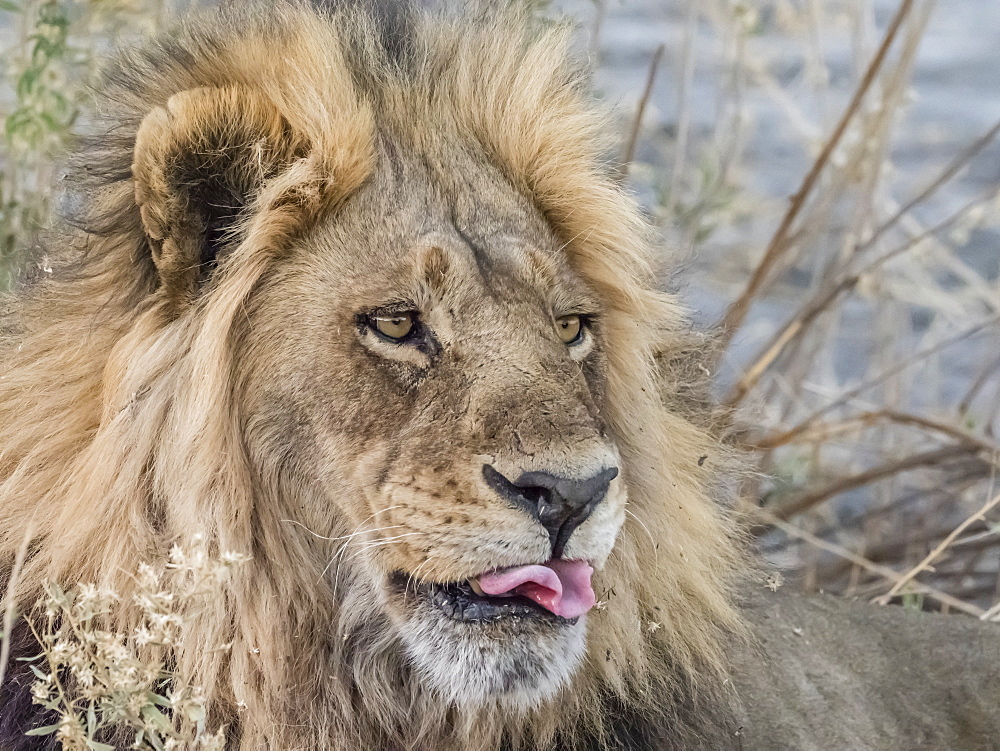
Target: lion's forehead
474,236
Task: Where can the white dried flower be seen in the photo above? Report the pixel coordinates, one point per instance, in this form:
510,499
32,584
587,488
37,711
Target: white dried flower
118,675
42,690
214,742
232,558
71,732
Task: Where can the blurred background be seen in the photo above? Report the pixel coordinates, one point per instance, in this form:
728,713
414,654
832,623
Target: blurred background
826,175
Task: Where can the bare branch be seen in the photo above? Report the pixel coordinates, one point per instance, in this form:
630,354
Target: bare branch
633,140
883,571
861,479
925,563
949,172
734,316
847,396
825,299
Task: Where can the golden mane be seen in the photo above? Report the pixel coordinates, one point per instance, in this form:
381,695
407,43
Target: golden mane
118,411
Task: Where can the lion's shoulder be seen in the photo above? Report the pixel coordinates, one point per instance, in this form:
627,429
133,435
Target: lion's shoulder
854,675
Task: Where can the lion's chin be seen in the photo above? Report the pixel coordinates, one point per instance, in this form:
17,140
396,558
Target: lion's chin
477,652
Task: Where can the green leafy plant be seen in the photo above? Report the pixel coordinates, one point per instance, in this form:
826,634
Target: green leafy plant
49,65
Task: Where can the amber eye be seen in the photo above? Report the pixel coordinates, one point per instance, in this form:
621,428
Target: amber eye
570,329
396,327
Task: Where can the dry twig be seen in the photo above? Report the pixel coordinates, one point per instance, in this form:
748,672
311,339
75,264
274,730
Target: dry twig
8,601
979,515
892,370
875,568
734,316
633,140
861,479
823,302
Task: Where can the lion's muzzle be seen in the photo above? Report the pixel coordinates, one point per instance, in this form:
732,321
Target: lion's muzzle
559,504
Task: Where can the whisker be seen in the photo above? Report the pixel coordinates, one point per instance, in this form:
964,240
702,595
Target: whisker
357,531
387,540
414,578
656,550
344,537
340,556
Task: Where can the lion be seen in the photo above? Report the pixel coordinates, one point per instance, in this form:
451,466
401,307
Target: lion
353,292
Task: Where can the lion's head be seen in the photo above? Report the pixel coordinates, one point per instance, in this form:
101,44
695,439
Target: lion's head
358,297
439,401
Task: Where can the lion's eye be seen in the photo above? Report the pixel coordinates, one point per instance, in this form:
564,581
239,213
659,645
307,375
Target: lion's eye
396,327
570,329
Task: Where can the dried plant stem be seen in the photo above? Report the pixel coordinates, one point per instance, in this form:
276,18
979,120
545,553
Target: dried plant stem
777,247
992,613
825,299
946,174
600,13
825,431
979,515
861,479
905,418
633,140
870,566
8,600
684,83
984,377
892,370
815,433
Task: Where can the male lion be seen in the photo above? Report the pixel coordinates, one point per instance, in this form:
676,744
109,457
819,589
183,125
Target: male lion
353,293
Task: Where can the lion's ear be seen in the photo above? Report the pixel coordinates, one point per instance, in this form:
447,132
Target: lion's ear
199,163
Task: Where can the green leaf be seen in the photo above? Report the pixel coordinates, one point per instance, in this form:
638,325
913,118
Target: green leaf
26,82
92,744
15,121
9,6
57,102
157,699
155,716
41,52
195,713
42,675
47,730
53,125
913,601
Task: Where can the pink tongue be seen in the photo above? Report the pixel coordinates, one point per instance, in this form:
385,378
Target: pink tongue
562,587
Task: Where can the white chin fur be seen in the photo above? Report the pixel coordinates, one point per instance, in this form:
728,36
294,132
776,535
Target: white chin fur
471,666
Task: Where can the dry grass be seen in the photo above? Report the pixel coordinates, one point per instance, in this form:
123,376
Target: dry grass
860,344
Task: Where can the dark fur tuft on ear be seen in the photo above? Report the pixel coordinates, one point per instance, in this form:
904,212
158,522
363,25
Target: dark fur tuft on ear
200,162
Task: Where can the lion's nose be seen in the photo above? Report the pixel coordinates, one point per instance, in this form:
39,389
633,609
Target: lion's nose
559,504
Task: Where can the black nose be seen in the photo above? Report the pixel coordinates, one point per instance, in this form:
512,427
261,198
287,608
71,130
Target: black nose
559,504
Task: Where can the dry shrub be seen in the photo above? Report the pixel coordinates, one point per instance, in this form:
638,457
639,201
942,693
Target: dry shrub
860,336
50,51
108,685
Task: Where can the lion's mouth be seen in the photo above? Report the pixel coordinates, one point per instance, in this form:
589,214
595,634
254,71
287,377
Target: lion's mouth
558,590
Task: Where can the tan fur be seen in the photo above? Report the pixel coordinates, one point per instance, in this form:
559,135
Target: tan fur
138,397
